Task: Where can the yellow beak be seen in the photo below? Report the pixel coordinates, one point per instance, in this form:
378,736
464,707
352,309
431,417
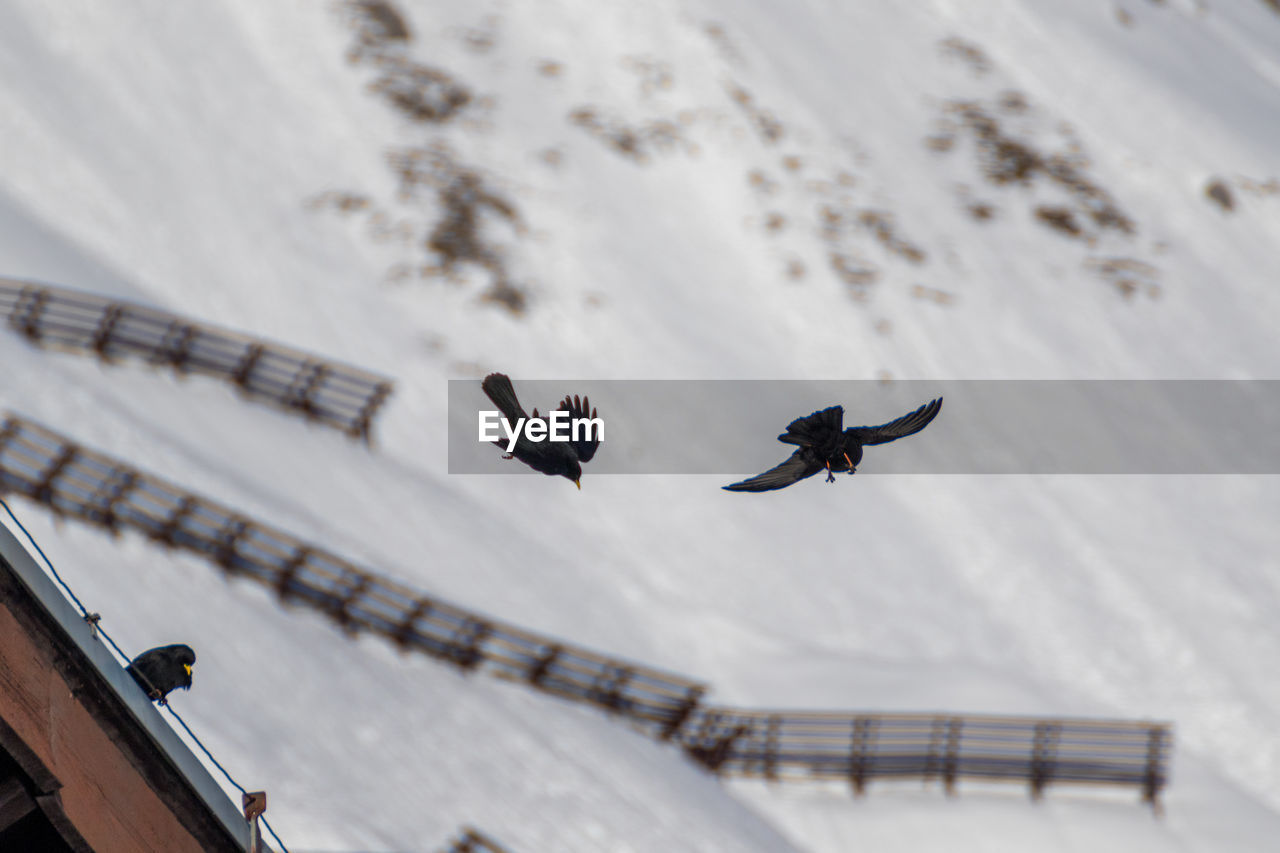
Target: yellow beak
187,667
578,483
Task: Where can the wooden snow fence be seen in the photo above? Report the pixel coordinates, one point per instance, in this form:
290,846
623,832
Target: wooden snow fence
859,748
336,395
855,748
79,483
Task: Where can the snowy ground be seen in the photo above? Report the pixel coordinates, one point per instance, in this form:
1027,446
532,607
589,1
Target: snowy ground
179,155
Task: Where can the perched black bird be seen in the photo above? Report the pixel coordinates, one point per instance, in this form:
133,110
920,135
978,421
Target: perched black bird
824,444
164,669
564,458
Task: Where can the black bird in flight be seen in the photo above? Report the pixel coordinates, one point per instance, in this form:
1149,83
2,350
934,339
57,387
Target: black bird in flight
162,670
823,443
564,458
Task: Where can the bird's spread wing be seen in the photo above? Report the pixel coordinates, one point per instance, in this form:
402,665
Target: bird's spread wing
497,387
903,426
815,429
793,470
588,437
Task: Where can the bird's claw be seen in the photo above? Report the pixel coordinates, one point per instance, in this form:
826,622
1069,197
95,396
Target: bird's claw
509,456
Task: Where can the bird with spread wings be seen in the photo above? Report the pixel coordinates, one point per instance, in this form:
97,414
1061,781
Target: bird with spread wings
822,442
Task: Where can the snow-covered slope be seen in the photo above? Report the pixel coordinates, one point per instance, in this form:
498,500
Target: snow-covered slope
695,189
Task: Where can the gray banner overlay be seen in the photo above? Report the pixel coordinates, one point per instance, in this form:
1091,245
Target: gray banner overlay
730,428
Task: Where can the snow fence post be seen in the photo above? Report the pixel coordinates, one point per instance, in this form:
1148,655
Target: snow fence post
1153,779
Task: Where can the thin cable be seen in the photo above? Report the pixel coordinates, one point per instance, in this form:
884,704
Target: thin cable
218,764
204,748
263,820
94,620
47,561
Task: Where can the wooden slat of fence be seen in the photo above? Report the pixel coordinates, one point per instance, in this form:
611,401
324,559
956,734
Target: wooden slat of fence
39,463
337,395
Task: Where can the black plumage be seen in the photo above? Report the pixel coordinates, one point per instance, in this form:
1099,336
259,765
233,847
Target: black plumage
162,670
823,443
562,458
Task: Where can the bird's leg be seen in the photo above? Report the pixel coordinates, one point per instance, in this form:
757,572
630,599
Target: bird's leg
509,456
850,461
831,478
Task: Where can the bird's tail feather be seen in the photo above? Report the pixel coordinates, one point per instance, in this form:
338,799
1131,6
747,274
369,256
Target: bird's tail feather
497,386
